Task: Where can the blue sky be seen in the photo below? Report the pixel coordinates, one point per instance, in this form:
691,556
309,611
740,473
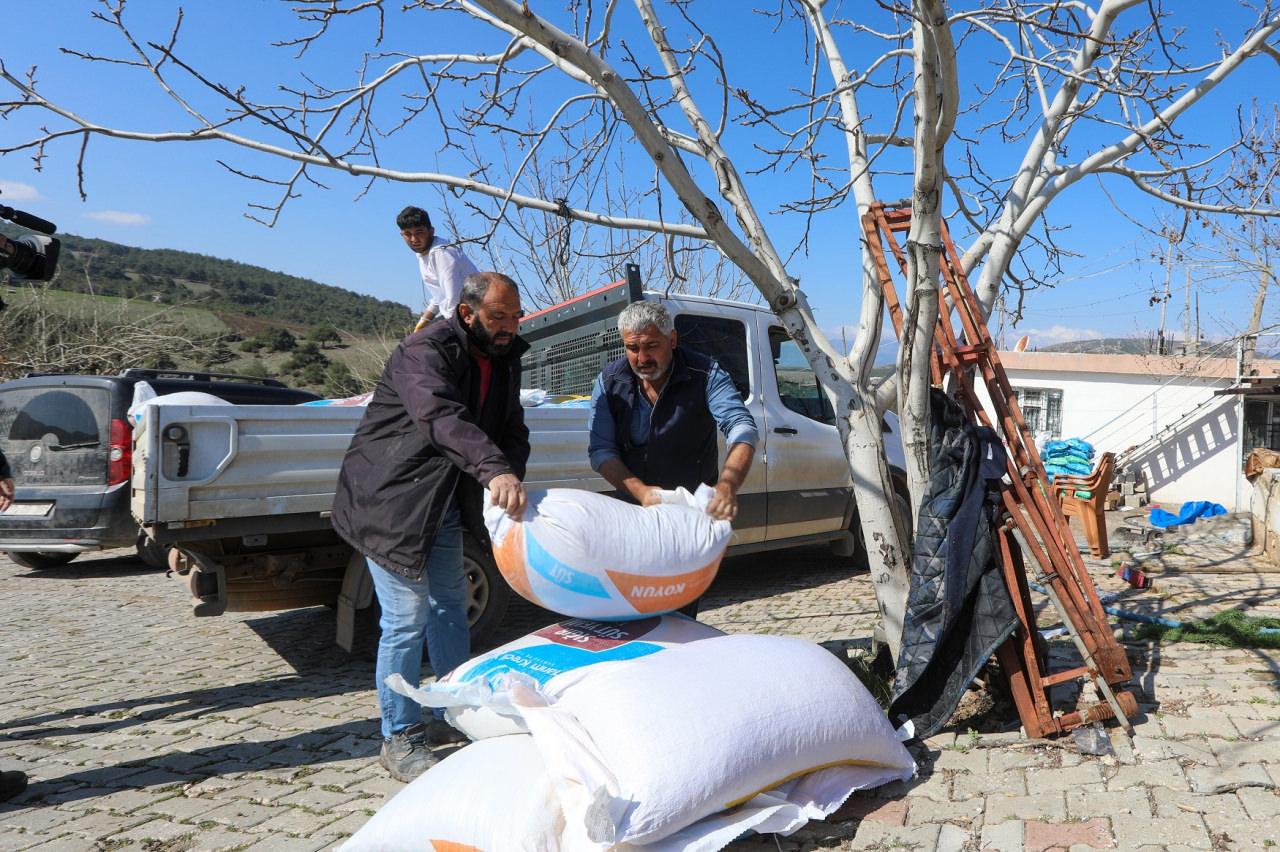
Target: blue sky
177,196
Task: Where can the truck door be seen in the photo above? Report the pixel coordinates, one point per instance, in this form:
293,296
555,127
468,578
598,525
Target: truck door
725,340
807,476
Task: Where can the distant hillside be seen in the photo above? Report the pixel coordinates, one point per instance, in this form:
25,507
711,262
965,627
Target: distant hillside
231,289
1104,346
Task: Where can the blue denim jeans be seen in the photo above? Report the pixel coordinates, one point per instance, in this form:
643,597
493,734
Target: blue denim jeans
432,608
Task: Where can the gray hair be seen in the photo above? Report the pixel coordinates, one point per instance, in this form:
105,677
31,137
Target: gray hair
638,316
476,285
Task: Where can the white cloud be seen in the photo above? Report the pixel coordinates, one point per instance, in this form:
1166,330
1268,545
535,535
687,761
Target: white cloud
1056,334
14,191
118,217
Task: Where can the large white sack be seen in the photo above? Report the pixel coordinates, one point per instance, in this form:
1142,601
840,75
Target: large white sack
474,694
658,743
491,795
497,796
593,556
144,395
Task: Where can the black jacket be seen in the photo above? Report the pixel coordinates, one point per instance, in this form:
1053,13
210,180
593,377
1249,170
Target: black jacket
422,440
958,608
5,473
682,449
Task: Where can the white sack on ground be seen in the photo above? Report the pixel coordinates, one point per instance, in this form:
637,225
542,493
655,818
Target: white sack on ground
658,743
474,694
592,556
491,795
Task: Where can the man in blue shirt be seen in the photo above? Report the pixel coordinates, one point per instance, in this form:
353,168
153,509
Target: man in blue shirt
654,415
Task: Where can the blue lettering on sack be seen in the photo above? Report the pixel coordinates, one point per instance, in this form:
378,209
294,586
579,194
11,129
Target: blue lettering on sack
557,572
543,662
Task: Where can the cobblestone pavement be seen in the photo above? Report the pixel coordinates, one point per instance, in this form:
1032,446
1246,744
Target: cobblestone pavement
144,728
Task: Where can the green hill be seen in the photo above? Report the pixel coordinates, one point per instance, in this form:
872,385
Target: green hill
238,290
112,306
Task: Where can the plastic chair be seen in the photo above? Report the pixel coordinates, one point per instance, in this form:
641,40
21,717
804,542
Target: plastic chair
1089,509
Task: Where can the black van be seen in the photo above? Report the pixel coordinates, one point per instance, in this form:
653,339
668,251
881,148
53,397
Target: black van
69,442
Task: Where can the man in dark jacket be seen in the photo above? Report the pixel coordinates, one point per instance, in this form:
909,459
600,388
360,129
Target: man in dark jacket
654,415
444,422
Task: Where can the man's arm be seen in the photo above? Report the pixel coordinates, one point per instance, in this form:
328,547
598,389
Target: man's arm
740,433
602,451
434,401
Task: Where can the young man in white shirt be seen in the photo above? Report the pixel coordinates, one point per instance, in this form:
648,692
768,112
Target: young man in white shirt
442,265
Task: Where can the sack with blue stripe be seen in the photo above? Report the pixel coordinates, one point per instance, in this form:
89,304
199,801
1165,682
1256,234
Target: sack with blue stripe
589,555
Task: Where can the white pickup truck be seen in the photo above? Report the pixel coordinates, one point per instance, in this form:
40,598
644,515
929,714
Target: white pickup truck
242,493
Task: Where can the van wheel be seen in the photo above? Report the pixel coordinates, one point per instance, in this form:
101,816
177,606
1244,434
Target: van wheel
487,592
42,560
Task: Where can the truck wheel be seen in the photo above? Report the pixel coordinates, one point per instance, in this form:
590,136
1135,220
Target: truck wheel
42,560
487,592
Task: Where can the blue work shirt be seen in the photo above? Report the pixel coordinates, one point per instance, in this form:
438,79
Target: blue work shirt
723,400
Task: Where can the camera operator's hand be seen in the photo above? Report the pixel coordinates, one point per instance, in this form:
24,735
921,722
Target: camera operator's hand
6,493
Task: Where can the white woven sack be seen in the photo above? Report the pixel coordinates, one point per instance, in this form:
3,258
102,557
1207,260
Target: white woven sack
652,745
590,555
491,795
474,694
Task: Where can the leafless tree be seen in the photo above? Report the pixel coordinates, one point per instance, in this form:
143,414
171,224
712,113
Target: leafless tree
1069,89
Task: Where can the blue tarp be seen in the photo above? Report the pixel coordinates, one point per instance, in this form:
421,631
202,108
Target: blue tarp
1189,512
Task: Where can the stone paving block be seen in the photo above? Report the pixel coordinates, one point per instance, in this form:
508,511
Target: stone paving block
1185,829
1264,728
1095,833
346,826
1051,806
291,844
883,835
1087,775
65,843
1259,803
1211,779
96,826
153,830
223,840
953,838
1199,725
240,814
181,808
318,798
1157,773
968,785
296,821
36,819
1116,804
1003,837
921,810
961,760
1223,805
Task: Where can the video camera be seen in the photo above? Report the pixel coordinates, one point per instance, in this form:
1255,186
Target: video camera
31,257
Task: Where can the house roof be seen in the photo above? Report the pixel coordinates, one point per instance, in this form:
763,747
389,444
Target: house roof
1137,365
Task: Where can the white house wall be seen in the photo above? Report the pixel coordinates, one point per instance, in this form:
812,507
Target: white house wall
1115,411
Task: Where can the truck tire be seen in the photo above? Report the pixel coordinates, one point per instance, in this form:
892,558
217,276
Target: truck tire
487,592
42,560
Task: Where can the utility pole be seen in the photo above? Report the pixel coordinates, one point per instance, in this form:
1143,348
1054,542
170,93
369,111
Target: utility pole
1161,347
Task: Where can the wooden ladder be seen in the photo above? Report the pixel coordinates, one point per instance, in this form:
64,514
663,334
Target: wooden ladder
962,350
